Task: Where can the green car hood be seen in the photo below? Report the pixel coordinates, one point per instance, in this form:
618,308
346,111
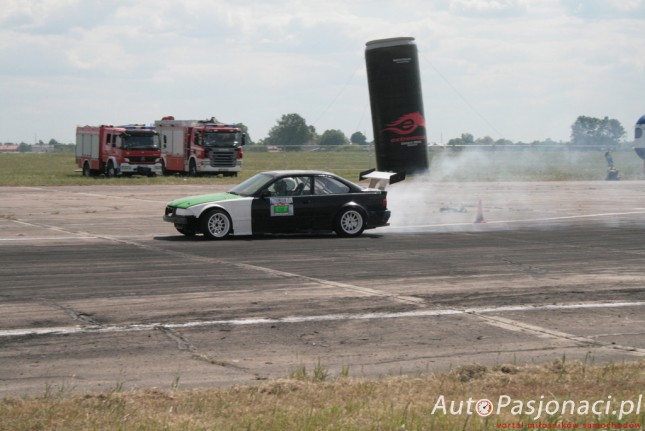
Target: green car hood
202,199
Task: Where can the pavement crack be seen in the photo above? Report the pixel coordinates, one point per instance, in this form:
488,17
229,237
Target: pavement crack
76,315
184,344
516,326
534,271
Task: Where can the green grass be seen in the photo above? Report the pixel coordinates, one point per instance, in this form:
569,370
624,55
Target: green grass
325,402
531,165
30,169
38,169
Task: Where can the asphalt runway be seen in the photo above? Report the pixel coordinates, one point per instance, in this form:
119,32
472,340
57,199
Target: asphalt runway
97,293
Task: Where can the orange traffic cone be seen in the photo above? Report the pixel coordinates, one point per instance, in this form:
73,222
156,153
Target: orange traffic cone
480,213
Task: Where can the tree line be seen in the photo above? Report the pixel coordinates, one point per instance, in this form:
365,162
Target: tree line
292,133
51,145
586,132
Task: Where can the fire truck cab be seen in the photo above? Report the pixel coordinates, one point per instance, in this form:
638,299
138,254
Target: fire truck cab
121,150
200,146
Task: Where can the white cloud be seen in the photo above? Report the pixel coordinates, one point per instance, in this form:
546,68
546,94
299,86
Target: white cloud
518,68
492,8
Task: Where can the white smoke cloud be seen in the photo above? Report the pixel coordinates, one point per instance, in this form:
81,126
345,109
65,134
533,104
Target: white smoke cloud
513,187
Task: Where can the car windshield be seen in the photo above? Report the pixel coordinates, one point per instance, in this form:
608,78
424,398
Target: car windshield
252,185
139,141
222,139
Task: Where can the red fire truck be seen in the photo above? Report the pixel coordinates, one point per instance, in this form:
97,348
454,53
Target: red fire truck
200,146
122,150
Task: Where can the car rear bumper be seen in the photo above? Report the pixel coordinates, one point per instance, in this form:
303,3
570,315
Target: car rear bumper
378,219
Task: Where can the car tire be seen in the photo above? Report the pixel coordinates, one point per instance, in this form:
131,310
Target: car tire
350,222
216,224
184,230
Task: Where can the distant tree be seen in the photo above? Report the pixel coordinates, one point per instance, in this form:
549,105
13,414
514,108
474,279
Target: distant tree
333,137
24,148
315,137
358,138
292,132
503,141
598,132
486,140
245,129
465,139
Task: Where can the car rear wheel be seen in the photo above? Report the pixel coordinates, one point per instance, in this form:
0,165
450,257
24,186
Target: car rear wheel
350,222
216,224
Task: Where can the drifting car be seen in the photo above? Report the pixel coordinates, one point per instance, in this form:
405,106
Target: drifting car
282,202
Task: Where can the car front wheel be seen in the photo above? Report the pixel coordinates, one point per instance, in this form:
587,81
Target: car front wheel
184,230
216,224
350,222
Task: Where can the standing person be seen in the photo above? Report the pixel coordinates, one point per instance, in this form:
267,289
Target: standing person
612,172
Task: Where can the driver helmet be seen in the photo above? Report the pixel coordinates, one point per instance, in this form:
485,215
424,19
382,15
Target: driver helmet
285,185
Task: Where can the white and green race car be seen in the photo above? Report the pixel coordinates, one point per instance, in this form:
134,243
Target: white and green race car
283,202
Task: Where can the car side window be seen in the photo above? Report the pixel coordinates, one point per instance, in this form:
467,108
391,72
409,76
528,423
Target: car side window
329,186
291,186
303,186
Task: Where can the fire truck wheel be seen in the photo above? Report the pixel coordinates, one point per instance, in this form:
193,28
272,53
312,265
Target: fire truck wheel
192,168
87,172
111,170
216,224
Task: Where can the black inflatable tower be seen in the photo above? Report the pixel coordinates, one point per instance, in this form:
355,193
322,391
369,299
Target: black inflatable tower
639,138
397,105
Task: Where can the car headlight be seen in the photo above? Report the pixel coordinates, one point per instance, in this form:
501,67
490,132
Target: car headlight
182,212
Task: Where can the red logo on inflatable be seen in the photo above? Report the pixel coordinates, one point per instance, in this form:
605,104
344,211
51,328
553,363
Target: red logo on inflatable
406,124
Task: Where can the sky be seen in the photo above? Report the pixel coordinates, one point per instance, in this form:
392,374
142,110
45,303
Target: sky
522,70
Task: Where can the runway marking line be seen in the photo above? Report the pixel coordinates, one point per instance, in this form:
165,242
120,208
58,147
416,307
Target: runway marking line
517,326
478,312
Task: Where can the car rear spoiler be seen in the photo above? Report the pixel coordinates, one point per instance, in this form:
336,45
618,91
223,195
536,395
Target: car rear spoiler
380,180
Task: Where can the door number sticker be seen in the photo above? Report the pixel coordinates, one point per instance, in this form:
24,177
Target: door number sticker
281,207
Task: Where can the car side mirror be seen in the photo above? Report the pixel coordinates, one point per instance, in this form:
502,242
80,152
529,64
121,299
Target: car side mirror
265,194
